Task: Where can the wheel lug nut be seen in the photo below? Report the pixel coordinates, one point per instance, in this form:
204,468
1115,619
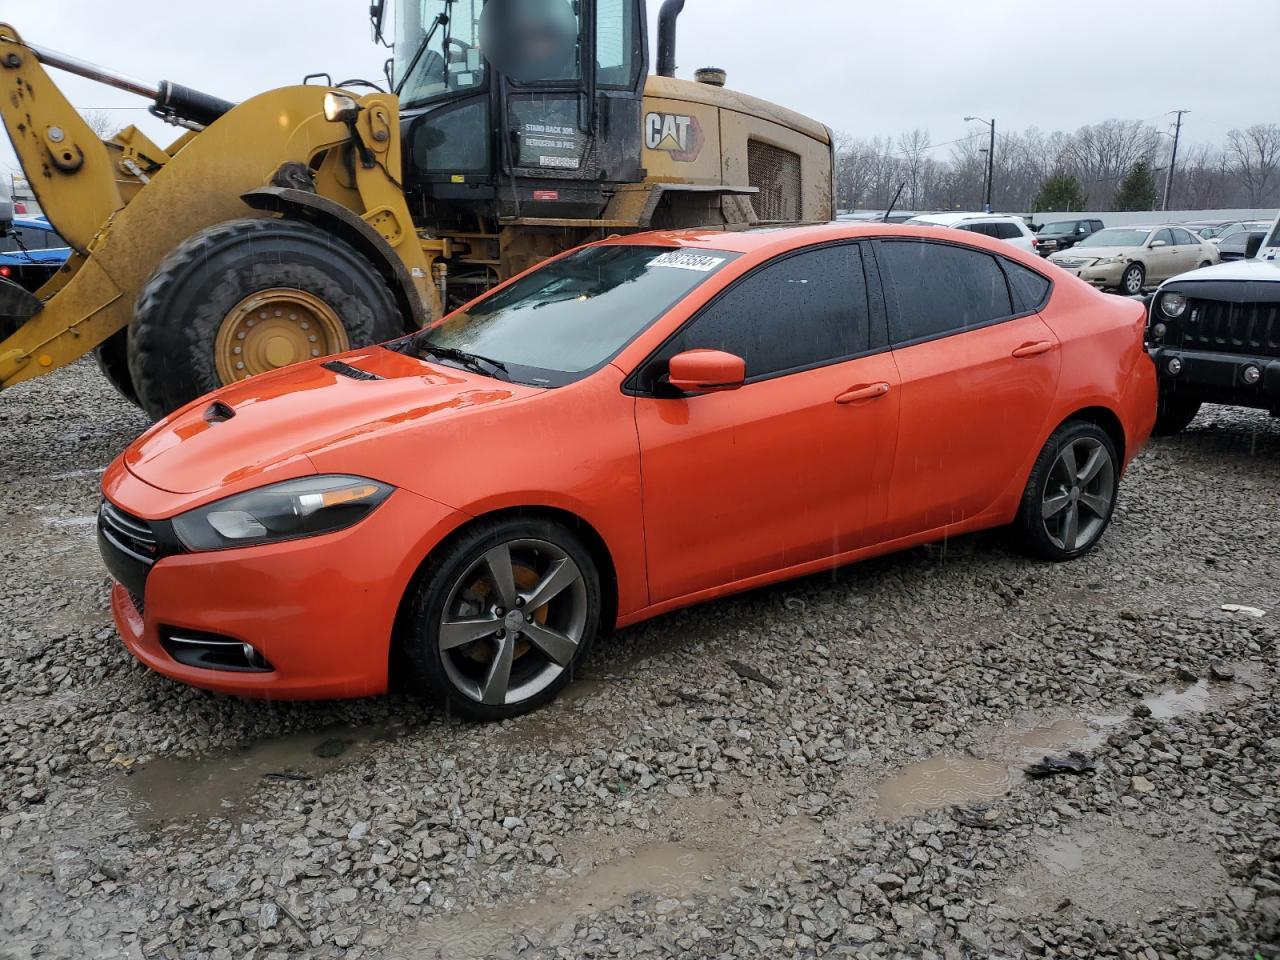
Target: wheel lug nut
502,634
499,612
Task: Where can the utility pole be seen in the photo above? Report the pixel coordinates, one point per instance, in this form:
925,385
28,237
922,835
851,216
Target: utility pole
991,158
1173,159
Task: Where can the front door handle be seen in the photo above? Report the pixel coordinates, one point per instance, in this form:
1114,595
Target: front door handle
872,391
1033,349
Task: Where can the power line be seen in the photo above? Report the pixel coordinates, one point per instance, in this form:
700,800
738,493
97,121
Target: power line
1173,159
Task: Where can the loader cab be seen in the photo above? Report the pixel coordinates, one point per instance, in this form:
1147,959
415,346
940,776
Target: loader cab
518,108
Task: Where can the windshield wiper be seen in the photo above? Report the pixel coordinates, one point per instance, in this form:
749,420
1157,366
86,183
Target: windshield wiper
472,361
442,19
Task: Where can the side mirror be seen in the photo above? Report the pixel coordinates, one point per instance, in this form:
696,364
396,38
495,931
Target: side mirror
1158,243
377,15
706,371
1253,245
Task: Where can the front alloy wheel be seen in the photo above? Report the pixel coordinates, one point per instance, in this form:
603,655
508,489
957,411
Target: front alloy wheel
1133,278
501,623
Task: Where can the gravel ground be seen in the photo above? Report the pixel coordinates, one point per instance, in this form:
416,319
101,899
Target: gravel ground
830,767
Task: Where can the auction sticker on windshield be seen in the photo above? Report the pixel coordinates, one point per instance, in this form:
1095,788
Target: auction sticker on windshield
687,261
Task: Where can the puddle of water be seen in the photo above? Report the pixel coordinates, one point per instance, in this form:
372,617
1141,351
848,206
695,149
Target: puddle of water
1199,697
172,789
1113,873
944,781
664,871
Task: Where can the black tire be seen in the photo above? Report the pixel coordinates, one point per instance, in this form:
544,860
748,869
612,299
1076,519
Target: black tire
1133,279
1032,531
112,356
450,676
183,305
1205,263
1173,415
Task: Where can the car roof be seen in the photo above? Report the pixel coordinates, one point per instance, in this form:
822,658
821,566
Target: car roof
966,217
775,240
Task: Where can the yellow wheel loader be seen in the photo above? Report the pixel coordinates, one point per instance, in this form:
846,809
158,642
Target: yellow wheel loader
316,218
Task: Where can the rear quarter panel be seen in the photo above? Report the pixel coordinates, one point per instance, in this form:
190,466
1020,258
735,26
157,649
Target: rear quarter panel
1104,358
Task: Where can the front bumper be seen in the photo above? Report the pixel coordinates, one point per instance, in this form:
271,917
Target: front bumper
320,610
1100,275
1211,377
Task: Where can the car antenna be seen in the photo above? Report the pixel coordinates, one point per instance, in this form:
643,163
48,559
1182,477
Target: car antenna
902,186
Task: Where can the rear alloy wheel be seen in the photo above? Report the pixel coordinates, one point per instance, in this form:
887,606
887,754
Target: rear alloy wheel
1133,279
1071,493
499,625
250,296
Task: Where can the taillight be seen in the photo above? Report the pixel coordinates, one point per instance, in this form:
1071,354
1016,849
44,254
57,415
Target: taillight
1035,244
6,271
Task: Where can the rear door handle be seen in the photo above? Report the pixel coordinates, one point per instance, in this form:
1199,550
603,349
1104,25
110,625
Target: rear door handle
1033,349
870,392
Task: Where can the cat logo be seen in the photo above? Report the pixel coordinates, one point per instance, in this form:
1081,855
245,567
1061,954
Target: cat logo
674,133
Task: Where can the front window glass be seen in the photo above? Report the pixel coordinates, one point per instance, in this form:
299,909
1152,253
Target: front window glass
451,60
1209,232
1116,237
574,314
616,48
1274,239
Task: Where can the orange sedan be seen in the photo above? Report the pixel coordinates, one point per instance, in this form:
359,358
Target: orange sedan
632,427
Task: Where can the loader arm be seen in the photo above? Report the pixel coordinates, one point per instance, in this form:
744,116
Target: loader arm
123,217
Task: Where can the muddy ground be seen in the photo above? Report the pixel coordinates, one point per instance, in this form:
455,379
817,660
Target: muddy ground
835,766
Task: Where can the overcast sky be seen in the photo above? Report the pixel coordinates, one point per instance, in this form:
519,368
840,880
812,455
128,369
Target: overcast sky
868,68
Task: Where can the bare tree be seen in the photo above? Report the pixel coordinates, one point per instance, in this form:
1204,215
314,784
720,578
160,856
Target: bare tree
914,147
1255,153
1102,154
101,124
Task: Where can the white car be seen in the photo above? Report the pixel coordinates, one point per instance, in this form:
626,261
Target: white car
1010,229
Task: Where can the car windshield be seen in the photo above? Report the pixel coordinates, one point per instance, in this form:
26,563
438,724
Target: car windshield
1064,226
572,315
1116,237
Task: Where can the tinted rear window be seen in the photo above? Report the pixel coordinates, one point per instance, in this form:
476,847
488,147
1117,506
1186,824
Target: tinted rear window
939,289
1029,288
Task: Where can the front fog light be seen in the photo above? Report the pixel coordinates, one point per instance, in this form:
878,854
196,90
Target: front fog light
1175,366
1158,331
285,511
1251,375
1173,305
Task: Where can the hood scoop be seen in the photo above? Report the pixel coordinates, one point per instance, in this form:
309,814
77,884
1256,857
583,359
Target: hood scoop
218,412
347,370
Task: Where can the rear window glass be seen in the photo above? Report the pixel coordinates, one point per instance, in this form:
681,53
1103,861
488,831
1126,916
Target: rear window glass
939,289
1029,288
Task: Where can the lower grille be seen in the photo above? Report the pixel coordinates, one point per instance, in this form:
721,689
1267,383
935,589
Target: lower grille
1252,328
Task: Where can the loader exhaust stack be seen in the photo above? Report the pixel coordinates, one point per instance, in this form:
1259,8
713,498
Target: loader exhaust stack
667,17
170,101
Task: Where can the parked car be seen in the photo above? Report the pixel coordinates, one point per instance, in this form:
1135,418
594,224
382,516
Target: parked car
31,252
1128,259
1237,228
1064,234
1010,229
633,427
1241,246
1214,335
1208,229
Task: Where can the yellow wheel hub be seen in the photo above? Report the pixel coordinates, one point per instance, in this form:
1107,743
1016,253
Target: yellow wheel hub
274,328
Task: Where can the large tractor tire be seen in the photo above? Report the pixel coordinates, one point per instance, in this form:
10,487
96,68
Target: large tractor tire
246,297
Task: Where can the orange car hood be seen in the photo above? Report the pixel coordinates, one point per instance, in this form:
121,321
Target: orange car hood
261,430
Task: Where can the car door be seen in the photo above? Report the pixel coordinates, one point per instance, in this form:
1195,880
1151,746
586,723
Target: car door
1161,261
1190,255
978,377
794,465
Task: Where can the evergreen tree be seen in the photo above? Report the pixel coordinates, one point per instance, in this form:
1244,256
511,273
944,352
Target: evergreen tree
1137,190
1061,192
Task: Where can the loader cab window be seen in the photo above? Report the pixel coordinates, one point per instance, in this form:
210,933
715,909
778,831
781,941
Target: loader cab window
618,43
451,62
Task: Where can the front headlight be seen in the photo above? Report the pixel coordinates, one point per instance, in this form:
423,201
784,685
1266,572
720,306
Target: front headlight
1173,305
1108,261
284,511
340,107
